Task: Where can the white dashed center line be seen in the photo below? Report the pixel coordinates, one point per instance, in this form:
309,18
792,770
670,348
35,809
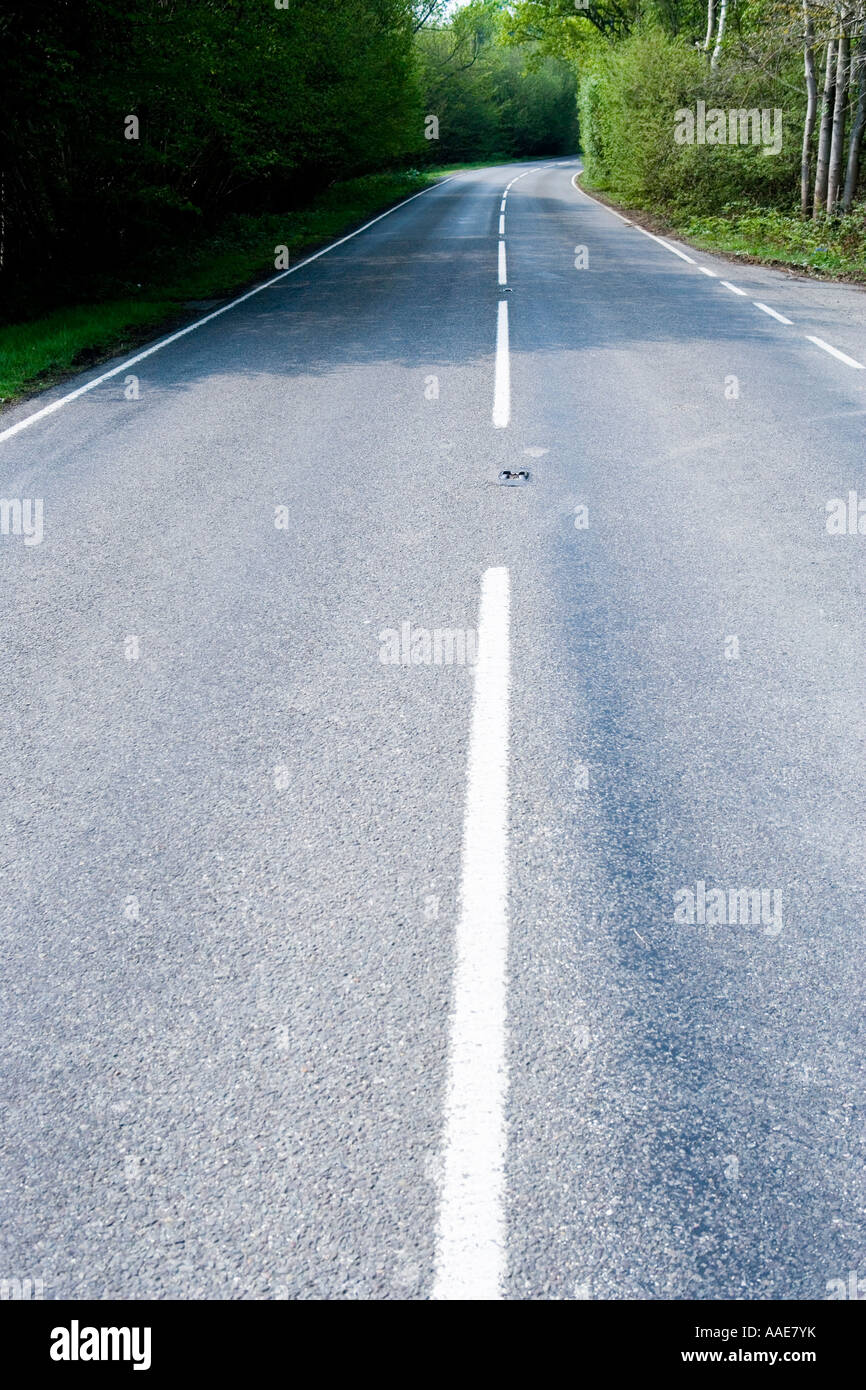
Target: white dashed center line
471,1237
502,373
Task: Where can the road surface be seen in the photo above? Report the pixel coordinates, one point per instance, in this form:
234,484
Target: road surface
336,970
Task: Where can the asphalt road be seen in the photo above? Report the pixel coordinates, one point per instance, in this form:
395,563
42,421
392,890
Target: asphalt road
329,976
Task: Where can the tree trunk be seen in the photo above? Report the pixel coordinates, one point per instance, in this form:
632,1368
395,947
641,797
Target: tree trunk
856,137
811,108
723,15
821,164
840,109
711,24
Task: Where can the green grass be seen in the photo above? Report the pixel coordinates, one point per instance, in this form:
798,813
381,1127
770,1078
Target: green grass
41,351
36,353
441,171
836,248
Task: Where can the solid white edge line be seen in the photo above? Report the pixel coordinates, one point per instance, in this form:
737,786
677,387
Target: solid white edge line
208,318
503,272
576,186
502,370
733,288
834,352
772,312
470,1259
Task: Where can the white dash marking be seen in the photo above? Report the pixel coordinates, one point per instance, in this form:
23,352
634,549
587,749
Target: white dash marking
682,255
772,312
704,271
733,288
470,1258
502,373
503,274
834,352
501,225
666,244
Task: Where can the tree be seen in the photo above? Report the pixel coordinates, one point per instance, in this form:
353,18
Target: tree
822,165
811,109
858,74
720,34
837,141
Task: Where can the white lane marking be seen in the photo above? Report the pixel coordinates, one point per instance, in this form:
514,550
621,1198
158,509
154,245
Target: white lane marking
199,323
502,204
501,225
503,273
502,372
819,342
576,186
666,244
772,312
682,255
834,352
471,1237
524,175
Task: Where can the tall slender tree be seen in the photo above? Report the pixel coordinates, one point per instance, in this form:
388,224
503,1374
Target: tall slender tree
811,109
840,110
855,140
822,162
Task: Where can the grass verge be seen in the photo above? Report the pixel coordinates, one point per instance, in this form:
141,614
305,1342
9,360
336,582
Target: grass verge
37,353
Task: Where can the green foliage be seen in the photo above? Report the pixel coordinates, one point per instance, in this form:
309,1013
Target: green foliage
733,198
492,100
628,102
832,248
241,107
